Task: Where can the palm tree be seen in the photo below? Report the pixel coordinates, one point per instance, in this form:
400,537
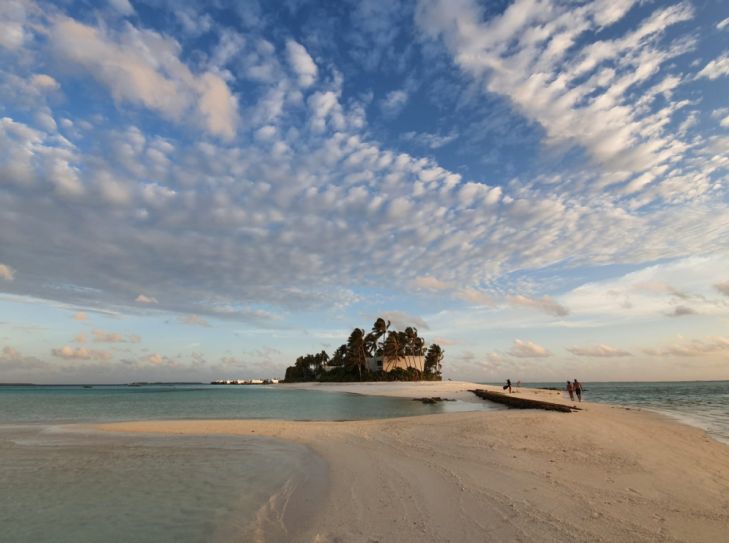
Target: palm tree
413,346
393,347
379,328
433,359
356,355
339,356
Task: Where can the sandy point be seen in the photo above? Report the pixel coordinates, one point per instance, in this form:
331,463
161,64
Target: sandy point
601,474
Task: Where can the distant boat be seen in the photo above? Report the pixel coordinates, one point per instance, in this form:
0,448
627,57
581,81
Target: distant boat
87,386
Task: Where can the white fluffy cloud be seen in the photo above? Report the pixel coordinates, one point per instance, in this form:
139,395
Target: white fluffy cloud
598,351
100,336
545,304
12,24
475,296
6,272
528,349
679,288
122,6
302,63
695,347
81,353
143,67
719,67
580,93
394,102
144,299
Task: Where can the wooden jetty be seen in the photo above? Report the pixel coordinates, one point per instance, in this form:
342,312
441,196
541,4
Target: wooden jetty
522,403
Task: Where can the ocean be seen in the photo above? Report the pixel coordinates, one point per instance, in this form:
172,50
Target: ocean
704,404
62,485
59,485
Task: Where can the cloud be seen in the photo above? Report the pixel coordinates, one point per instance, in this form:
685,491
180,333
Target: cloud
12,24
80,353
143,67
475,296
80,316
545,304
401,320
394,102
721,25
194,320
431,141
643,294
156,359
44,82
122,6
6,272
301,62
113,337
13,362
428,282
578,88
715,69
694,347
316,207
598,351
10,353
528,349
723,287
681,311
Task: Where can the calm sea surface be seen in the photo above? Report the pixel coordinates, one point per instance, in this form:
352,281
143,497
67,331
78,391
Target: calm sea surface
699,403
66,486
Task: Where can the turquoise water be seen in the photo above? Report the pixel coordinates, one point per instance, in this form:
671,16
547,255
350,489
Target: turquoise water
60,485
66,404
704,404
63,487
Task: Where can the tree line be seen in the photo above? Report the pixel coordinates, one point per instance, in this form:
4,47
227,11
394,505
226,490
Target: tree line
394,347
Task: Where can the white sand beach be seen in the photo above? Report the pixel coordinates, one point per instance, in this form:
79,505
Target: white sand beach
601,474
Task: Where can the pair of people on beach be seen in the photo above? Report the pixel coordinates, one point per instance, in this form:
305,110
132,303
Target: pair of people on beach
574,389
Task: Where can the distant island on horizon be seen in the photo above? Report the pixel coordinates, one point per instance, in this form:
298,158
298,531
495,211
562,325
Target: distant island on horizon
379,355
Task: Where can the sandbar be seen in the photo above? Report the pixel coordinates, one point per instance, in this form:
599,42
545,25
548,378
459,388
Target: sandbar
605,473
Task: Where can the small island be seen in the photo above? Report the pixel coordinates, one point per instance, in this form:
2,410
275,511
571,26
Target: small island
379,355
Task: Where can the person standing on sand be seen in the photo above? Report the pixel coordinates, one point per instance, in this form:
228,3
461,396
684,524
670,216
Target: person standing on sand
578,389
570,391
508,385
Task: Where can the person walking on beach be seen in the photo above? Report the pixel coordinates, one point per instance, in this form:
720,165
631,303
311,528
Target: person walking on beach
578,389
508,385
571,391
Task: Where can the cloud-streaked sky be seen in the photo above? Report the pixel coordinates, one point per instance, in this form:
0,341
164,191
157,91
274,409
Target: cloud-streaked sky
191,192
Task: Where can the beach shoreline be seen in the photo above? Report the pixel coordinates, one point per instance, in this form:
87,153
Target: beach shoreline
605,473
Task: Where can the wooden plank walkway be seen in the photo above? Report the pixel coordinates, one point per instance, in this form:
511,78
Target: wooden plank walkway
522,403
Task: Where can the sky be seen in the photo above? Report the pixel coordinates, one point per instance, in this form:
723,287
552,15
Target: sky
192,191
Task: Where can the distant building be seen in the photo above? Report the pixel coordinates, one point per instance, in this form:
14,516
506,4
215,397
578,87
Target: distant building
389,363
244,382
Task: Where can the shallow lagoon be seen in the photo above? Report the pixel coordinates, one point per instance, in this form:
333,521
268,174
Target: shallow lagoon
65,485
